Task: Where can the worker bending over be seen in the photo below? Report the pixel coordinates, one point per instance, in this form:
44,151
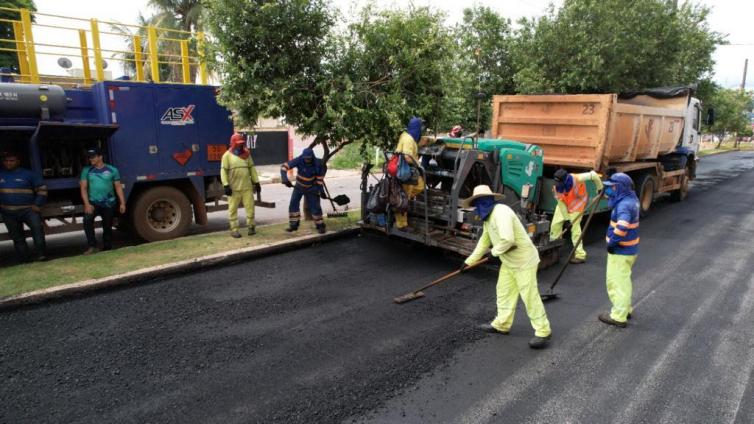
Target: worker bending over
571,194
310,176
239,178
409,147
622,247
508,240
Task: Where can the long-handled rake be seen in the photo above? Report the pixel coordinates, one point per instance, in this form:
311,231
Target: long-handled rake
550,294
416,294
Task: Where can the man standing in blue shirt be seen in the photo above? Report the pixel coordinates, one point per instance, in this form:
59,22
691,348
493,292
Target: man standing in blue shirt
22,194
100,183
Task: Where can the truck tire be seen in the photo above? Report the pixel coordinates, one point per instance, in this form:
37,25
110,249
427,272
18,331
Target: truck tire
646,186
680,194
161,213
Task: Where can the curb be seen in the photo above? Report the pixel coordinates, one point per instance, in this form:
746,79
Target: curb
166,270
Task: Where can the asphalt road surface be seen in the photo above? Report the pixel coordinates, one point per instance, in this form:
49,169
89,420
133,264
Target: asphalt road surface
74,243
313,336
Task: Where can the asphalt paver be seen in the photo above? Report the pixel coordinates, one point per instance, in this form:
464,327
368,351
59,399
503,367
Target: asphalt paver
313,336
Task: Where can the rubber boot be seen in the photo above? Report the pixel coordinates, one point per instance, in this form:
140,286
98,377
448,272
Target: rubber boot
607,320
539,342
488,328
321,228
292,227
252,230
235,234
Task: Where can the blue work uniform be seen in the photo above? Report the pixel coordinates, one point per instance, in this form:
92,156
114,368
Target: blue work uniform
309,184
622,244
20,189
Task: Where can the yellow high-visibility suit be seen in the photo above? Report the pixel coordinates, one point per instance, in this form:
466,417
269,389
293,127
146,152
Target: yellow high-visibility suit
241,175
518,272
571,208
410,149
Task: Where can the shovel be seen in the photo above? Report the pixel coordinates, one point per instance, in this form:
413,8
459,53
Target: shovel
416,294
341,199
550,294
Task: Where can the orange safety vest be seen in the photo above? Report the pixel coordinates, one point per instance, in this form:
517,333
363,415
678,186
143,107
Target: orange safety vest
575,200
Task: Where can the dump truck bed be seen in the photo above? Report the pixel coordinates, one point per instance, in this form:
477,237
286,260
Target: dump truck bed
591,131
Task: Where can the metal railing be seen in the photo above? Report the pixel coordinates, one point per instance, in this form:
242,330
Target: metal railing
142,58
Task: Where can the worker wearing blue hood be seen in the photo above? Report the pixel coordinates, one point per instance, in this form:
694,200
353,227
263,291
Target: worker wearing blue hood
408,145
310,176
622,247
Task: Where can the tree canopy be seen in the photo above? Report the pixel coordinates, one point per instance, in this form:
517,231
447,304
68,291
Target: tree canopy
361,82
591,46
10,59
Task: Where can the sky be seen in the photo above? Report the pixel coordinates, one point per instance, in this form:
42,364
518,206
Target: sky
732,17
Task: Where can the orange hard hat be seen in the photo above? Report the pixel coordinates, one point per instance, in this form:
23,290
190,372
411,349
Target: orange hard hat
237,138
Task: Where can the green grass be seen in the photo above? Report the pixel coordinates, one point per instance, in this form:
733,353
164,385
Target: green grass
350,157
727,147
34,276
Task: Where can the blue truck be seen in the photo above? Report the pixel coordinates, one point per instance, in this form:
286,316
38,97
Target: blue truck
166,140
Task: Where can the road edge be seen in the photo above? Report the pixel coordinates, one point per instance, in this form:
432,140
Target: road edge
166,270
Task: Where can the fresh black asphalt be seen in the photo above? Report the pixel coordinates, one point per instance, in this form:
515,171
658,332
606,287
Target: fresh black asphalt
313,336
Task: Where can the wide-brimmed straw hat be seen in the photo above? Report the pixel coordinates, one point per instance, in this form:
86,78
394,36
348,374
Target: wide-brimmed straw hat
480,191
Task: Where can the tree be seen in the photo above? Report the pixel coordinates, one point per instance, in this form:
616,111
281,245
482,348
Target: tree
399,70
481,64
731,108
168,72
10,59
614,45
180,16
360,85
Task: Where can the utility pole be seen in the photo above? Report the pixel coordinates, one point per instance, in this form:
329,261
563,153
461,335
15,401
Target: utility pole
743,81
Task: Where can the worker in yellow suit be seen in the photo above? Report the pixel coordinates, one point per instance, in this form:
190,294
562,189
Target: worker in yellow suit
408,145
239,178
571,194
508,240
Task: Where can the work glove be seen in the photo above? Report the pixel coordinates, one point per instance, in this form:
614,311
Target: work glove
322,195
228,191
288,184
258,188
611,250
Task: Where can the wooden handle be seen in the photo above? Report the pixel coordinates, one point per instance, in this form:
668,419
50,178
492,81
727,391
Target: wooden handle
452,274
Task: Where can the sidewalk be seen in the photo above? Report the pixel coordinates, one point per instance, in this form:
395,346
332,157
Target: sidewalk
270,174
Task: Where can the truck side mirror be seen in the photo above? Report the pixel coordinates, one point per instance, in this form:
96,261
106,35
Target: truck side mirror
710,120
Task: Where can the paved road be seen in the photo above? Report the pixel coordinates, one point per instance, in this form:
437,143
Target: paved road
70,244
312,336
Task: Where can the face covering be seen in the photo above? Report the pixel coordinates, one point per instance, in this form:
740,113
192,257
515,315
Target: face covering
483,206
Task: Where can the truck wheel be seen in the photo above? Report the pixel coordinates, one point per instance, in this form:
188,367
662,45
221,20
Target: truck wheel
646,185
681,193
161,213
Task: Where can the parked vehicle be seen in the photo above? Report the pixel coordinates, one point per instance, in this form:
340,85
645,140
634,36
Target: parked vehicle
651,135
166,140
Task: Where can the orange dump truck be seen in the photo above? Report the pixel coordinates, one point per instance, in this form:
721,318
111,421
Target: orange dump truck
651,135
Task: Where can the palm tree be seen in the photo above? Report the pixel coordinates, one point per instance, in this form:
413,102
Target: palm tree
166,22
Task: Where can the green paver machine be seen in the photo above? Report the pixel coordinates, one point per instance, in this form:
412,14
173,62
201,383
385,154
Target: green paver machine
452,167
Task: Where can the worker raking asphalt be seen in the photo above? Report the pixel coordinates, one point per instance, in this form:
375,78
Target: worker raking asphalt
313,336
